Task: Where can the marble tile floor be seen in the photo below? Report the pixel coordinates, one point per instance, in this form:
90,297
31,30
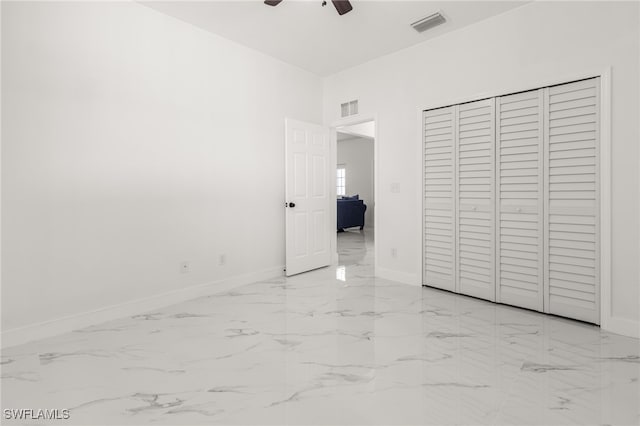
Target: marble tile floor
333,346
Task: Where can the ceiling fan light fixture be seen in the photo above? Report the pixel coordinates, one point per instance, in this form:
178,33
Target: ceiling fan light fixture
429,22
342,6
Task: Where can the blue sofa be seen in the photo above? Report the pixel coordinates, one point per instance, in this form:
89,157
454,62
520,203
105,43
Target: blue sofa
350,212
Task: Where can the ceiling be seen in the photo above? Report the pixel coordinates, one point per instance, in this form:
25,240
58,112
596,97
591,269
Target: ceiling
348,136
316,38
365,130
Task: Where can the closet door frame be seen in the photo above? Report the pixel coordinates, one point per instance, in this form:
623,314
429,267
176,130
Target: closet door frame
607,321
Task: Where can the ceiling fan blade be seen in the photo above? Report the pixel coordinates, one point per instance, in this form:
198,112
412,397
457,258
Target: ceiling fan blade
272,2
342,6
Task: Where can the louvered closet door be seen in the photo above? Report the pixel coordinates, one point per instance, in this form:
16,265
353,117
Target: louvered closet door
439,202
572,219
476,199
519,178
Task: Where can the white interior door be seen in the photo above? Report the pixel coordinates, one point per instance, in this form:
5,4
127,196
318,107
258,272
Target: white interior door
439,257
476,199
512,199
308,196
519,177
572,234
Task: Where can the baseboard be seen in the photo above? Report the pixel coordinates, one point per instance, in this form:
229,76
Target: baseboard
55,327
398,276
623,326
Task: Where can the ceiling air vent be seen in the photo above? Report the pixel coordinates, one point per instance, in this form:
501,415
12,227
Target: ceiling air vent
349,108
429,22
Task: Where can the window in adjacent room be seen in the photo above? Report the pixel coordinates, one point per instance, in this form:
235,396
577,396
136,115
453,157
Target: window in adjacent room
341,180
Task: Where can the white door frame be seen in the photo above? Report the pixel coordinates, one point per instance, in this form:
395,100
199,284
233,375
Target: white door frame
350,121
607,320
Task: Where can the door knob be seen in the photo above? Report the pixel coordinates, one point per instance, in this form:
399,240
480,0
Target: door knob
292,205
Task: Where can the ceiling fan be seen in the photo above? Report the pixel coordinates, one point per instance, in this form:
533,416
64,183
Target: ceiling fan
341,6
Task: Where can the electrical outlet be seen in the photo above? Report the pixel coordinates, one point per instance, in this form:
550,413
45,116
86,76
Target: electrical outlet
222,259
394,253
185,267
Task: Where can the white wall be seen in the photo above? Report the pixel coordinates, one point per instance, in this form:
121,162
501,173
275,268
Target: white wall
357,155
521,49
132,141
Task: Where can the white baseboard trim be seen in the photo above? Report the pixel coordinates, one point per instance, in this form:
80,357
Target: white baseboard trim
623,326
55,327
398,276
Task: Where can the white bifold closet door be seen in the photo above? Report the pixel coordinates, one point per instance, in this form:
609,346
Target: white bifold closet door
475,168
439,201
520,189
512,202
572,249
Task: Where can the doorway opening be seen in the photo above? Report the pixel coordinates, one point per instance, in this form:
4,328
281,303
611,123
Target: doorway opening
355,193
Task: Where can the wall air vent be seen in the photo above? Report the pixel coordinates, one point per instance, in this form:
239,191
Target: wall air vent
349,108
429,22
